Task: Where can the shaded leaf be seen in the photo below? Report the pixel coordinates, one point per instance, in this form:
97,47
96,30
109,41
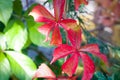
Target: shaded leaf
21,65
2,26
5,10
63,34
17,7
5,70
35,36
117,75
99,76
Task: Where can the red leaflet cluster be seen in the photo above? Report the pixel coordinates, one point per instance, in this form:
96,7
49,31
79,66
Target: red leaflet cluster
41,14
77,52
74,33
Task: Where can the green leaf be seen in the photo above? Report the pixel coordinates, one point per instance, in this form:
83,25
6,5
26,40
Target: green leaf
2,26
5,10
99,76
114,51
116,75
16,35
35,36
2,42
4,67
21,65
27,44
17,7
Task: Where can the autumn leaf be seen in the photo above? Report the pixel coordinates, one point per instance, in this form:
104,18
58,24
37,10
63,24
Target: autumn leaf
52,23
76,51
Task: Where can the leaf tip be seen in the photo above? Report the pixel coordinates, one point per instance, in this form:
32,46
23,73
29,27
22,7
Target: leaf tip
53,60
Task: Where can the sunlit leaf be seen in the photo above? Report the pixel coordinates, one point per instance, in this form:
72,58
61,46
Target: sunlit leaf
16,36
21,65
2,41
4,67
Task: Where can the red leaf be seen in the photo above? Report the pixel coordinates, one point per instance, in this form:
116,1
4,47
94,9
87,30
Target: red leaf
79,2
75,37
41,14
45,29
89,67
44,72
62,51
69,67
68,24
90,48
58,8
56,36
67,78
94,49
